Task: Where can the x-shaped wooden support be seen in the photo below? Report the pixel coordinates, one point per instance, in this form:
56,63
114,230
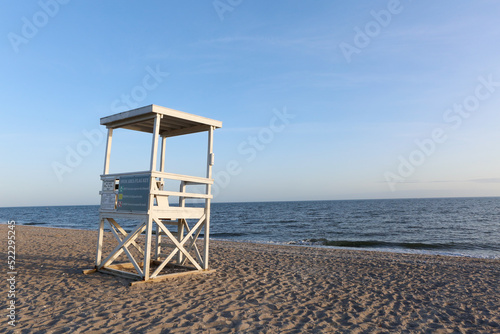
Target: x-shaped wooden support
122,247
193,243
115,226
180,244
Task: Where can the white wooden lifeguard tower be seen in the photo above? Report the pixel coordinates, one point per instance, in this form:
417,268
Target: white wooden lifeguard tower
140,196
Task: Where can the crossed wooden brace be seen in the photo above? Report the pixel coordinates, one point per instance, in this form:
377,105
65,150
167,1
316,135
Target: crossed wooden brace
126,239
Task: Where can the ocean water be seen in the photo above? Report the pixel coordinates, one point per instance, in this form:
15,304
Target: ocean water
445,226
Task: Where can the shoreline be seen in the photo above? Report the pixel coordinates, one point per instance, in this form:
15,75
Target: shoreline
281,201
312,245
256,288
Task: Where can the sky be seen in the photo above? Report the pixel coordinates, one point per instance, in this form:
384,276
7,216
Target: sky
323,100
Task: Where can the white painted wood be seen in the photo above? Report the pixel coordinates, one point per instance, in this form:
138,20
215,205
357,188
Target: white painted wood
126,122
176,114
210,153
184,131
147,249
180,194
185,178
179,245
100,235
113,222
162,122
206,237
118,215
154,148
158,242
126,114
171,176
127,252
192,243
181,221
180,235
117,175
176,213
133,116
162,158
108,151
182,199
127,241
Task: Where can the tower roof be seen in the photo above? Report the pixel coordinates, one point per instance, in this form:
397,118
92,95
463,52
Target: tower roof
173,122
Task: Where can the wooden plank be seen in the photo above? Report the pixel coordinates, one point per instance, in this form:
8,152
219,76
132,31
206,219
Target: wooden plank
180,194
145,126
128,265
128,121
175,265
127,114
129,215
89,271
117,175
185,131
119,273
176,212
175,123
174,275
124,265
180,177
168,222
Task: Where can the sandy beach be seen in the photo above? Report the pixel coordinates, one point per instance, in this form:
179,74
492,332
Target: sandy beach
256,289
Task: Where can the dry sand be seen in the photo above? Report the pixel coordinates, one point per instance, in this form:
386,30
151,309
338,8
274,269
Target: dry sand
256,289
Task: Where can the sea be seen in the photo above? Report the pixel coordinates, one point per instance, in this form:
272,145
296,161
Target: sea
467,227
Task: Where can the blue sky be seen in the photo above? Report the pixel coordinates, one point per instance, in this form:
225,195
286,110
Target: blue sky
319,100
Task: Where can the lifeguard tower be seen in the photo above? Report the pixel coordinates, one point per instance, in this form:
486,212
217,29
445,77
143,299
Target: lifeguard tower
164,242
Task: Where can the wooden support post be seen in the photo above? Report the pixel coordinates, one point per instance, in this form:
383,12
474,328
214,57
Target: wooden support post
147,249
180,236
182,189
108,151
210,162
158,242
149,223
100,235
154,148
162,158
180,222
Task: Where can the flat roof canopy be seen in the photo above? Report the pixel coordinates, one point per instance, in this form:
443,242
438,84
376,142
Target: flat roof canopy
173,122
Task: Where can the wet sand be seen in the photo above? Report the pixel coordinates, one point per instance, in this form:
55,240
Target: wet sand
256,289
